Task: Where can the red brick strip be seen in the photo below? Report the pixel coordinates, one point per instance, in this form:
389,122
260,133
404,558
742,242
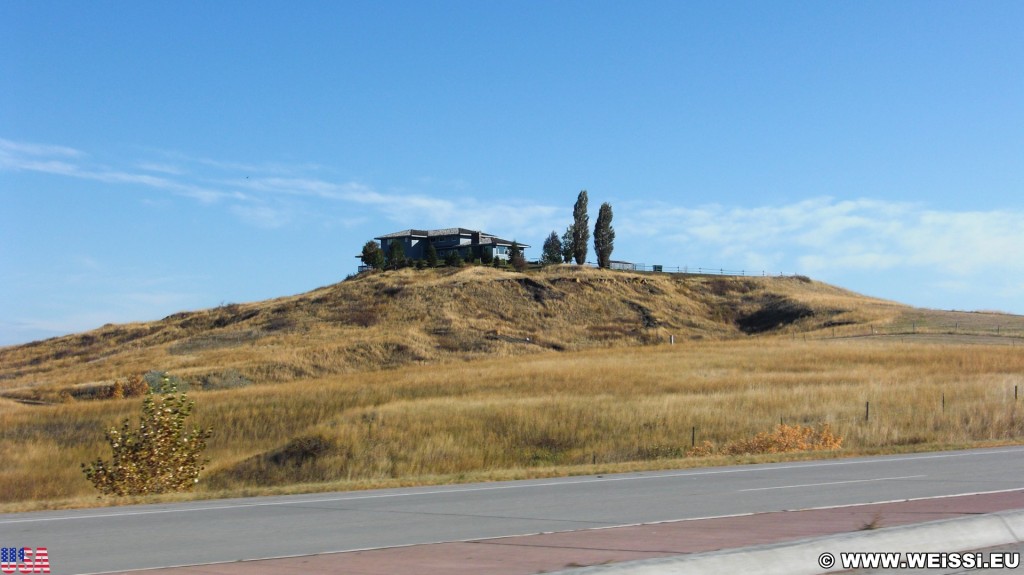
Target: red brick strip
527,555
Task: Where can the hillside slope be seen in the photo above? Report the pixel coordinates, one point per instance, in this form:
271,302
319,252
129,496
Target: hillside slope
382,320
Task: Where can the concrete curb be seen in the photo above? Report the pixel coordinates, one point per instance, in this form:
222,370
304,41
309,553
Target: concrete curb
801,557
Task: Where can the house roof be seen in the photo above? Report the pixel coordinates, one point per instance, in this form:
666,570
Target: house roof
485,238
402,234
429,233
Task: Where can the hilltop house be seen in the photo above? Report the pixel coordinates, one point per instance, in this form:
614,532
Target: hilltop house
467,243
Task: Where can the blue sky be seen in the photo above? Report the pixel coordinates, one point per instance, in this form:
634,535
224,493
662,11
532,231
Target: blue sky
165,156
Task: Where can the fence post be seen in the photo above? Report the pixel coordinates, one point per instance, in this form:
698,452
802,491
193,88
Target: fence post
867,410
693,436
943,402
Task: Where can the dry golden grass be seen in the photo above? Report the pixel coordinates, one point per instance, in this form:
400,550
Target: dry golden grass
386,320
474,373
543,414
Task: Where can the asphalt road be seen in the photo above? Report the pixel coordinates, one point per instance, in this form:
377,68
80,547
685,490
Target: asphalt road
135,537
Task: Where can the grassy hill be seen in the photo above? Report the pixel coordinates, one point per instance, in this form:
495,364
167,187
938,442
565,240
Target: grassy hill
414,377
385,320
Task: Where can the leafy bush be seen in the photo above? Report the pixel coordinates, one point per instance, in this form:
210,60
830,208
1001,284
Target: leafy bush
372,256
160,456
784,439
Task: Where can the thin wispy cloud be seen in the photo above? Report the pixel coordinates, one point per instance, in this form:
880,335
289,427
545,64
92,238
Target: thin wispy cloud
824,234
271,196
162,168
261,215
413,209
12,148
68,162
309,187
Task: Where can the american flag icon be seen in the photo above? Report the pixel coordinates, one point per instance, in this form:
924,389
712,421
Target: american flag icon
24,560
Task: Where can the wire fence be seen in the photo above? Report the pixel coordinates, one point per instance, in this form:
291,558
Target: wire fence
698,270
888,421
1010,331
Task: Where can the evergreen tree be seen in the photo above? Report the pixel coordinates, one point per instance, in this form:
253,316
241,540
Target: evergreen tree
516,257
580,229
552,250
567,245
372,255
396,255
431,255
604,236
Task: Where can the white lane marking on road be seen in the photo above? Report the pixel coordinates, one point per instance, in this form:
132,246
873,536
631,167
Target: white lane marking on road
834,483
532,533
457,490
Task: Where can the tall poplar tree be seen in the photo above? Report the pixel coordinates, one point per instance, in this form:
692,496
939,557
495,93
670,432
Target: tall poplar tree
604,236
580,229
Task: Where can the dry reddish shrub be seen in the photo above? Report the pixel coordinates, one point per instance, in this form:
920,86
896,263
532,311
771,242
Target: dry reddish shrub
135,386
784,439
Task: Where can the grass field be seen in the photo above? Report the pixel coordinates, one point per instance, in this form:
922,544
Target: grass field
545,413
